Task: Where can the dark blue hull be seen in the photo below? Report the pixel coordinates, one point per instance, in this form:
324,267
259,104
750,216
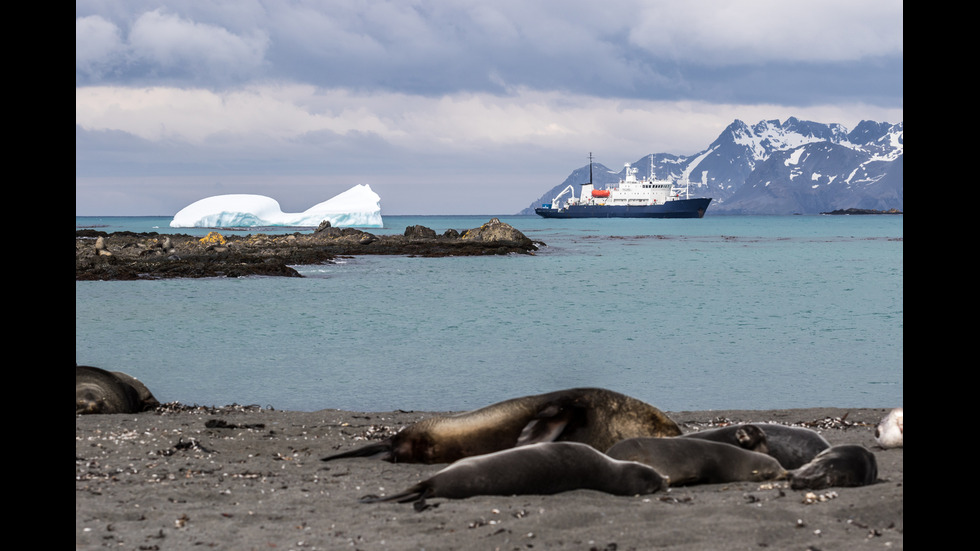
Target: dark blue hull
681,208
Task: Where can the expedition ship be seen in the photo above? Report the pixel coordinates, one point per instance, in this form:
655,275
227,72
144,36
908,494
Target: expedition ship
632,198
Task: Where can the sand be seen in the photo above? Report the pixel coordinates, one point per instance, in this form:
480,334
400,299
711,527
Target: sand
250,478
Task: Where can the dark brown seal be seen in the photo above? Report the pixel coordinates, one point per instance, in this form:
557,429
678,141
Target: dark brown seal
101,391
541,469
594,416
146,398
686,461
846,465
793,447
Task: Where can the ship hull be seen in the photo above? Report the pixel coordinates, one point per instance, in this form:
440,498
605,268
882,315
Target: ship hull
681,208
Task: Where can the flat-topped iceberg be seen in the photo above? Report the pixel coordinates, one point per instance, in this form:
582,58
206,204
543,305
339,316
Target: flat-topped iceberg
358,206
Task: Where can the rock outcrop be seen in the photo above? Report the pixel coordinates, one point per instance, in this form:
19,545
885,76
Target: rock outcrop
127,255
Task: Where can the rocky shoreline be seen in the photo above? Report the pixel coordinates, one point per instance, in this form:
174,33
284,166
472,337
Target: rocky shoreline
133,256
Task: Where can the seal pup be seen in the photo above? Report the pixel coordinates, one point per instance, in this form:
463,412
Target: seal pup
101,391
594,416
541,469
890,431
687,461
846,465
793,447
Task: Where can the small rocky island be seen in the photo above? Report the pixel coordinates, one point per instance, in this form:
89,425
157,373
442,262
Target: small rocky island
131,256
863,211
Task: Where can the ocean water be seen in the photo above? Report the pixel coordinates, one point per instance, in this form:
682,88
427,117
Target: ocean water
724,312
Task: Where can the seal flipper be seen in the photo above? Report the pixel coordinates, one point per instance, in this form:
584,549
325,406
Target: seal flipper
417,493
547,426
380,450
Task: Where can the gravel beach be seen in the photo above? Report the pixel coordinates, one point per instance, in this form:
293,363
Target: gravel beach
248,478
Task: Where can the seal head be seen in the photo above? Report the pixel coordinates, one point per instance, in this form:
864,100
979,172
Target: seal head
101,391
847,465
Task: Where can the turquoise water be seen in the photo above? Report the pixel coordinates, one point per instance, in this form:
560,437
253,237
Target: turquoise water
725,312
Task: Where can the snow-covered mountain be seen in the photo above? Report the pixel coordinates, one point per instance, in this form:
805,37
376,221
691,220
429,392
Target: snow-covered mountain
779,168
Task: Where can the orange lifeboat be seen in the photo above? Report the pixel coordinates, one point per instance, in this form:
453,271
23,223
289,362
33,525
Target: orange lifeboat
600,193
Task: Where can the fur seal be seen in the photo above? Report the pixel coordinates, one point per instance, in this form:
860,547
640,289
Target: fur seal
686,461
541,469
594,416
146,398
101,391
847,465
890,431
793,447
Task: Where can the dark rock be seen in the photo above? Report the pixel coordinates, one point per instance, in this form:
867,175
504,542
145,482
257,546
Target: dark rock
496,231
420,232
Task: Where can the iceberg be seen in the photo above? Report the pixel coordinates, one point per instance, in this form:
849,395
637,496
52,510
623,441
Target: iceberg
358,206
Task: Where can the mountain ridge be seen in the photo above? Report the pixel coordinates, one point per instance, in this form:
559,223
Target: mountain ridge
772,167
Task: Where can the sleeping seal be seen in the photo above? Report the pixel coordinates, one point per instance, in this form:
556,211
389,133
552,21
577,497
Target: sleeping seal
793,447
847,465
146,398
593,416
688,461
101,391
890,431
541,469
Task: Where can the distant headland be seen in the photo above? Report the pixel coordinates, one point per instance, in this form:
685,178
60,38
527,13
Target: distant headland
863,211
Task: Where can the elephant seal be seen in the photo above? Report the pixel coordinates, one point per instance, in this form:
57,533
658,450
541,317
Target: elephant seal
890,431
686,461
846,465
541,469
793,447
593,416
101,391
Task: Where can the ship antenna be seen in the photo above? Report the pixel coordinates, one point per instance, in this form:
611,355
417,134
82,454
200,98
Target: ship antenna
590,167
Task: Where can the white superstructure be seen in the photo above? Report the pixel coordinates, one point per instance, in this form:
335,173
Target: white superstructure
630,191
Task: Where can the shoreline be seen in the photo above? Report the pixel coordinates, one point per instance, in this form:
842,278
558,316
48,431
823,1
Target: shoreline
241,477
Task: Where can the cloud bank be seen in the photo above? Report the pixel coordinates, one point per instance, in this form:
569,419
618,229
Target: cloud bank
305,99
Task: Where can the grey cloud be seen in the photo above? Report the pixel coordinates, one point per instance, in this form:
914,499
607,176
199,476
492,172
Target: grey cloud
622,48
171,42
162,47
98,46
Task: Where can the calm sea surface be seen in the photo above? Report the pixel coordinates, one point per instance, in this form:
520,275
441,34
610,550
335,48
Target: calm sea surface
725,312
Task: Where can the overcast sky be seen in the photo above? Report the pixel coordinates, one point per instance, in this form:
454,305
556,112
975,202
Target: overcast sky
446,106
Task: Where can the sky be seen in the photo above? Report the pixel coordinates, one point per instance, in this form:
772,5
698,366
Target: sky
446,106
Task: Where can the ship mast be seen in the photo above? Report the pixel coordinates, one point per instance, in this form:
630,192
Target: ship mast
587,187
590,167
